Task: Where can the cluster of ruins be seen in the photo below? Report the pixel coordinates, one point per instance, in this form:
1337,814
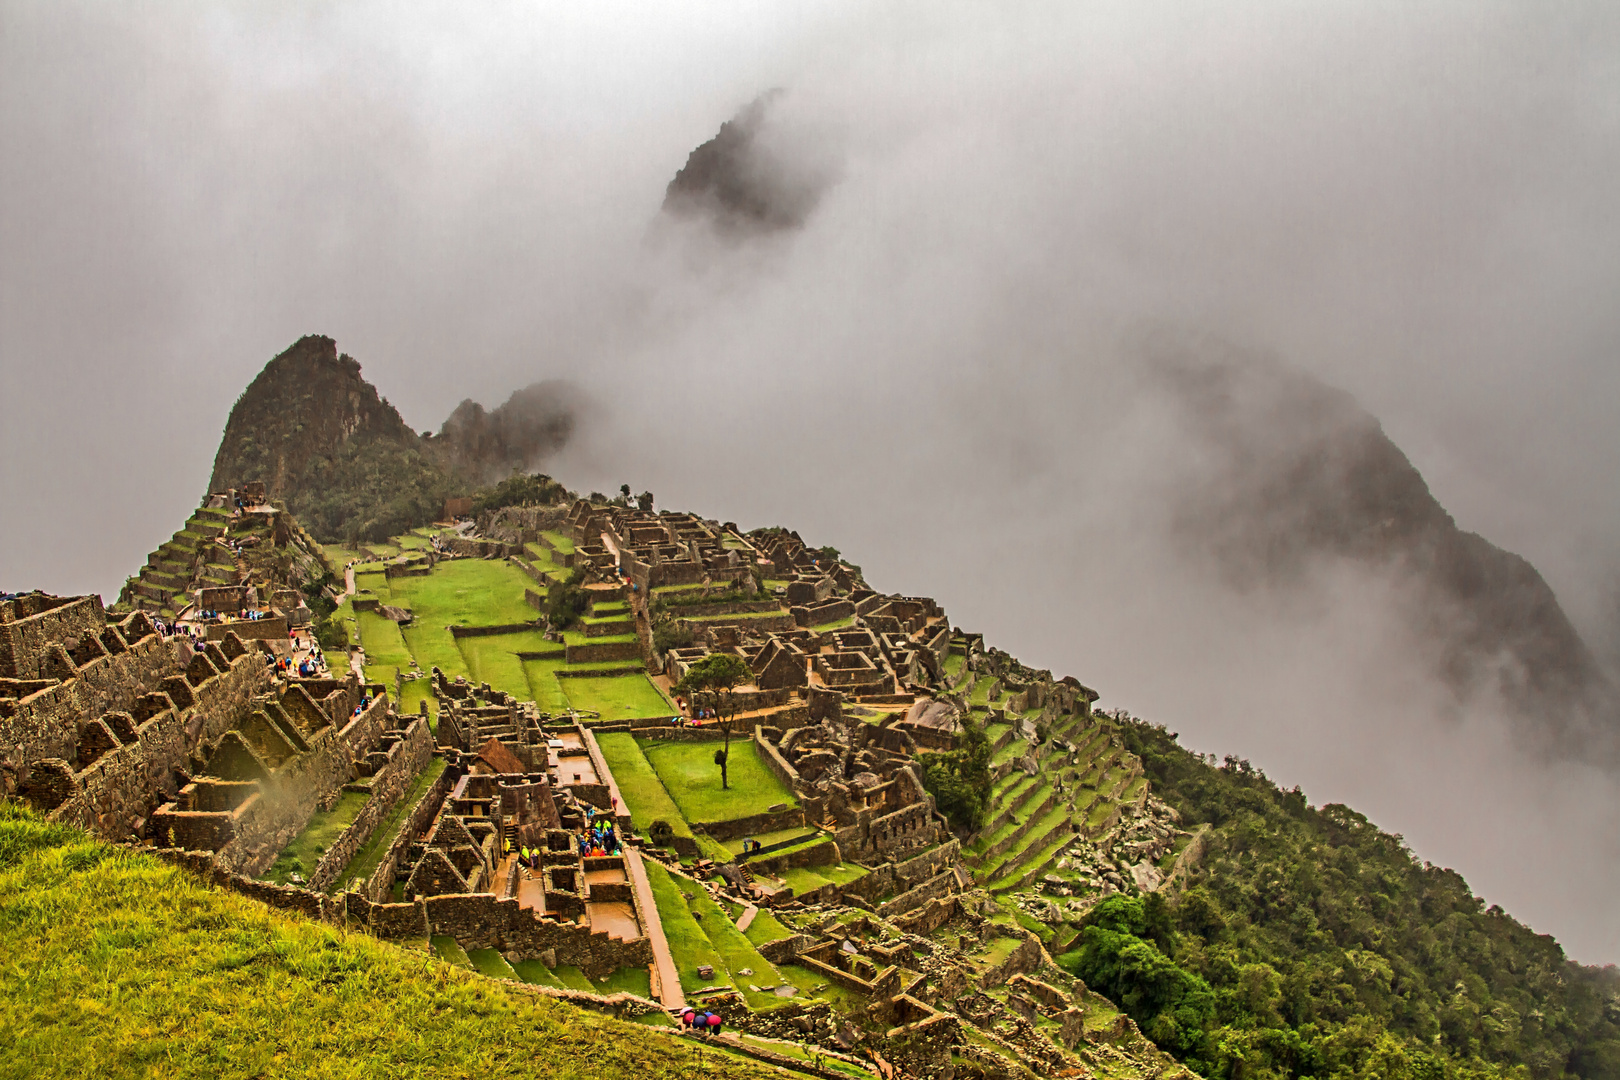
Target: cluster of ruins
202,746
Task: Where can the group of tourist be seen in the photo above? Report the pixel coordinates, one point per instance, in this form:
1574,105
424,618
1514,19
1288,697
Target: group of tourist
529,858
705,1023
310,667
681,721
599,838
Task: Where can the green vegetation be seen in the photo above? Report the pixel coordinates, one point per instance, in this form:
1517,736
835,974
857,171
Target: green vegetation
370,855
306,849
689,946
714,681
566,602
644,793
701,932
686,770
493,658
622,697
520,490
544,687
382,640
1327,949
959,780
119,965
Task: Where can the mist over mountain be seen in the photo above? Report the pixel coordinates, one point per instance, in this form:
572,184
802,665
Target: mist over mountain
520,434
1290,471
321,438
743,181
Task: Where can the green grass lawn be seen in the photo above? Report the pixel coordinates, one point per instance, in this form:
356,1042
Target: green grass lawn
644,794
693,779
734,948
435,648
382,640
121,966
700,932
837,624
563,545
689,946
414,692
766,927
370,855
494,660
803,879
622,697
307,847
460,592
545,688
373,581
577,638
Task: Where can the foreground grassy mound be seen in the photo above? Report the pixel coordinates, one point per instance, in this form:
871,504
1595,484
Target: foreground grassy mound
119,965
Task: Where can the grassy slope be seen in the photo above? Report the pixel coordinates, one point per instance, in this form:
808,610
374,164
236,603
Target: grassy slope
118,965
461,592
644,794
631,697
689,773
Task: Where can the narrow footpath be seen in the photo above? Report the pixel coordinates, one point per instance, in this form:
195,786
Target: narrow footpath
667,980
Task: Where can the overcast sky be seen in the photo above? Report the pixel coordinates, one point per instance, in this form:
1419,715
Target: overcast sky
1415,202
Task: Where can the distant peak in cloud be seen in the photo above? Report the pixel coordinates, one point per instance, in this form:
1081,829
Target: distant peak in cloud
1292,470
744,182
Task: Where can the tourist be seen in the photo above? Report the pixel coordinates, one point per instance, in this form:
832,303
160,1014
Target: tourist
714,1024
686,1019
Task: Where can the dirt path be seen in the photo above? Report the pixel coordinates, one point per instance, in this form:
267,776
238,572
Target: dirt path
667,979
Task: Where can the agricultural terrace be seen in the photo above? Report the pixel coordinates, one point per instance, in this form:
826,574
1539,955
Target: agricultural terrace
486,593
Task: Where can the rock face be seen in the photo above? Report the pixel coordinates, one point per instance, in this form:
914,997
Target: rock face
534,423
743,182
1293,471
321,438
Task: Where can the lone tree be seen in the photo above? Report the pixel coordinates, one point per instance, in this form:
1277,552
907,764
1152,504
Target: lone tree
716,678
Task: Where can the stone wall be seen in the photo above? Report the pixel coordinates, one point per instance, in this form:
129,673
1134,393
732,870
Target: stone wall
591,653
139,751
46,722
937,887
27,633
272,629
475,920
381,881
291,796
774,760
822,854
406,760
792,817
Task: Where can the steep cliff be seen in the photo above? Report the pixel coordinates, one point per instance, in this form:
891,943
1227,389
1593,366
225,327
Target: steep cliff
343,459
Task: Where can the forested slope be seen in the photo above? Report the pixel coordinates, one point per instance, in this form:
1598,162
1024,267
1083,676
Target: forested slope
1310,944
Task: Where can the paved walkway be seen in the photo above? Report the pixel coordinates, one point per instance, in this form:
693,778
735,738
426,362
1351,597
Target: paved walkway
666,980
